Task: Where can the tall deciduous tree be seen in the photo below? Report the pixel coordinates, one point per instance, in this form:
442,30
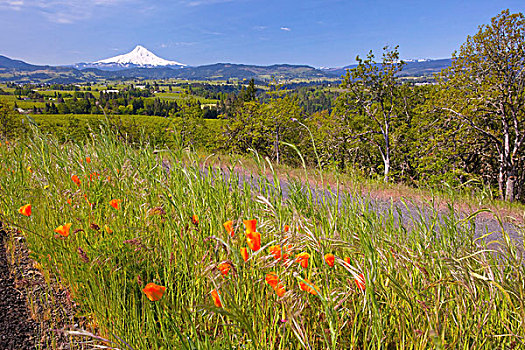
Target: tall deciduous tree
485,90
371,103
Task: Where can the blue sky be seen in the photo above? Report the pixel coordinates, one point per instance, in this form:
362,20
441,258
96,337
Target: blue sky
327,33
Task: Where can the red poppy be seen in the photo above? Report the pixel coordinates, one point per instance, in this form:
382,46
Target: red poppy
194,220
254,240
244,254
216,298
330,259
115,203
224,268
307,288
302,258
75,180
276,251
286,228
25,210
250,225
360,281
63,230
153,291
228,225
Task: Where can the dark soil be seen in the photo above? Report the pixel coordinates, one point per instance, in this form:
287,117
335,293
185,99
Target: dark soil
17,329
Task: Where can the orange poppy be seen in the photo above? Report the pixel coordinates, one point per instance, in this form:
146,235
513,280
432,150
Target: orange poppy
272,279
330,259
216,298
153,291
279,289
302,258
69,201
25,210
228,225
307,288
63,230
88,160
286,228
276,251
250,225
244,254
194,219
75,180
107,229
224,268
360,281
115,203
254,240
347,261
93,175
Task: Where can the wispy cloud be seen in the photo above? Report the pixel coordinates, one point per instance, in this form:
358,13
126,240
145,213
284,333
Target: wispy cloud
193,3
63,11
12,4
286,29
260,28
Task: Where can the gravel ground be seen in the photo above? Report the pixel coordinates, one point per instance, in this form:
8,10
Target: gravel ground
17,329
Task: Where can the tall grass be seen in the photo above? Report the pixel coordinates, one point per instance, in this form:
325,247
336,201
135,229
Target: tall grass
429,284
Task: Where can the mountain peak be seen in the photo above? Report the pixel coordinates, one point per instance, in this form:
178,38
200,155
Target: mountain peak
139,56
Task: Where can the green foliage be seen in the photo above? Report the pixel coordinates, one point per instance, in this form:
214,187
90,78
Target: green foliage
427,282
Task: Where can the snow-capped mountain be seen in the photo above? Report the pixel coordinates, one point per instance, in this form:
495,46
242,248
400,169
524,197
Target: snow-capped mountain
139,57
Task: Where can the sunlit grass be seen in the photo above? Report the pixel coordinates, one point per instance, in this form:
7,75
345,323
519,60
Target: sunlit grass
427,285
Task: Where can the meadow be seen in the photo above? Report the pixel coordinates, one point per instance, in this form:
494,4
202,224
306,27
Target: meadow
161,250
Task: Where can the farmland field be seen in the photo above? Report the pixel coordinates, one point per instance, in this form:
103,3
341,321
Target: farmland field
160,251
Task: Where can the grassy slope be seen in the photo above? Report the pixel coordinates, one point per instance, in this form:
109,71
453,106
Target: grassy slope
422,289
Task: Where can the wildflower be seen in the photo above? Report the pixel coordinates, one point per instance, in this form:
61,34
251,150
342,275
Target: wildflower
29,169
302,258
330,259
107,229
286,228
76,180
275,283
279,289
308,287
272,279
276,251
154,292
25,210
254,240
93,175
360,281
224,268
244,254
250,225
194,220
63,230
69,201
228,225
115,203
216,298
88,160
347,261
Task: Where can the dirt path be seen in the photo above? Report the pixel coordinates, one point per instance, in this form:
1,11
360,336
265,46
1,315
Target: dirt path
17,330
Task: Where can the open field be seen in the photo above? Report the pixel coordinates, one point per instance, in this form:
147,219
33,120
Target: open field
139,216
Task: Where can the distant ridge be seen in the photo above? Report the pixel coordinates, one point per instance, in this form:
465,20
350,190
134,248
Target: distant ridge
21,72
